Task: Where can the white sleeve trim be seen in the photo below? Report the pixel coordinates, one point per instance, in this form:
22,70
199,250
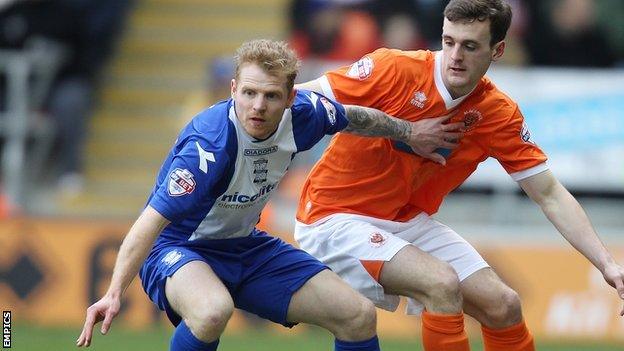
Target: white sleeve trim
518,176
326,87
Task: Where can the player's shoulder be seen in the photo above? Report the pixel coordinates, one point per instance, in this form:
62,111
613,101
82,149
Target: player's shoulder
211,127
400,57
306,103
495,99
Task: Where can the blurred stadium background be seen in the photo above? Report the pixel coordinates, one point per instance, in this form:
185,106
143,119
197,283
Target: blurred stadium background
93,93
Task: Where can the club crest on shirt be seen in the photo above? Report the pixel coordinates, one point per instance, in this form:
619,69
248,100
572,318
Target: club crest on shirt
331,110
361,69
471,118
419,99
260,170
181,182
377,239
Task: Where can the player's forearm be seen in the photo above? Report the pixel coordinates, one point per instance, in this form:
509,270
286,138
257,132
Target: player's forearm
134,249
367,121
572,222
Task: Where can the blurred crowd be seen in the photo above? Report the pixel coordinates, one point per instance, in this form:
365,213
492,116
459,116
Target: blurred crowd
85,31
571,33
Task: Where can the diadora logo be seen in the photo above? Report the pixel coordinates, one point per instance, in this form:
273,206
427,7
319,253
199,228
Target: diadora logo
260,152
172,257
242,198
419,99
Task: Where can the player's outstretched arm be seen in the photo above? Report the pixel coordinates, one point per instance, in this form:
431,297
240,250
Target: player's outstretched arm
132,253
570,219
424,136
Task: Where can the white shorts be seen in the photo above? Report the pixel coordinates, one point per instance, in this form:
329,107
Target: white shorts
342,241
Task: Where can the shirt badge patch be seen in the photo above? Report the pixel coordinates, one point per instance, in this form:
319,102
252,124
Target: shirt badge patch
361,69
419,99
377,239
172,257
471,118
260,170
331,110
181,182
525,134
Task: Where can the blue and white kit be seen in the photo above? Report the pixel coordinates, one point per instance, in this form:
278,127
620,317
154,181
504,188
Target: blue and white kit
212,187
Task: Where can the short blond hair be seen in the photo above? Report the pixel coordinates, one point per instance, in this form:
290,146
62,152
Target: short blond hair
275,57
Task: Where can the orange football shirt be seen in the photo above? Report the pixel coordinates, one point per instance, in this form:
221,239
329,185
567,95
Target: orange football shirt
375,176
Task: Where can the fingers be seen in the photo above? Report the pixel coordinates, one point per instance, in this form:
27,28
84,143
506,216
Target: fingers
108,319
619,286
87,329
453,126
435,157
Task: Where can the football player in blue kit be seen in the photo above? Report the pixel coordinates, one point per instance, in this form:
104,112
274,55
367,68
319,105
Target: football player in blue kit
196,244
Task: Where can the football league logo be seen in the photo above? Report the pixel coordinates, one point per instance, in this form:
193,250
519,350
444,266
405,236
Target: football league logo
377,239
181,182
361,69
525,134
331,110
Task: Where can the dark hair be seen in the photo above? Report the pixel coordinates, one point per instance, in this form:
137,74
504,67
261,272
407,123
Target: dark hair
497,11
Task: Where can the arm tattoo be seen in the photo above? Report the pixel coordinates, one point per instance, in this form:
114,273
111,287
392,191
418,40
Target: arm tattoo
371,122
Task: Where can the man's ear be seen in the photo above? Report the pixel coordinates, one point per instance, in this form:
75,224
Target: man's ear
233,87
291,97
499,50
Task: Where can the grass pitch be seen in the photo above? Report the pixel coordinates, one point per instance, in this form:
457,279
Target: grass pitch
30,338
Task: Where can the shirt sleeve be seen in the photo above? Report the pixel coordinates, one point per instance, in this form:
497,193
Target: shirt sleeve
315,116
513,148
193,179
367,82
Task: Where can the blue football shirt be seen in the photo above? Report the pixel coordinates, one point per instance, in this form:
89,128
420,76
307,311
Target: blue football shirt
217,179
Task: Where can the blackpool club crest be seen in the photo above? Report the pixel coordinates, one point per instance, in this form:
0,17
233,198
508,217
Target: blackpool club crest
377,239
181,182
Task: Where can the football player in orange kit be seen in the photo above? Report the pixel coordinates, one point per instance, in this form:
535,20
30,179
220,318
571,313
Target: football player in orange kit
366,214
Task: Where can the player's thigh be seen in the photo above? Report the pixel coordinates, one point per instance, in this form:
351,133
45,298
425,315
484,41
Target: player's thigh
325,297
412,272
195,289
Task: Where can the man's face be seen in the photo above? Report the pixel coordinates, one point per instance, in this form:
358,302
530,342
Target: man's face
260,100
466,54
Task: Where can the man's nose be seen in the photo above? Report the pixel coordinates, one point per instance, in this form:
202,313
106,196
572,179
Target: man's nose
259,103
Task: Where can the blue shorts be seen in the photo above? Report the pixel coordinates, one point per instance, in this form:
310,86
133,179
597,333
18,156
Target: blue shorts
261,272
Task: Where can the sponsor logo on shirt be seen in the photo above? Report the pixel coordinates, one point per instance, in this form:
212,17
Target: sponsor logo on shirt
244,198
181,182
419,99
377,239
361,69
172,257
331,110
260,152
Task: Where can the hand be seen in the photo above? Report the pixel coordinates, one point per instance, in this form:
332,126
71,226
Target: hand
432,133
614,275
105,309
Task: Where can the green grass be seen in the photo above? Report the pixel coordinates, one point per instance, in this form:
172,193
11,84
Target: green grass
29,338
